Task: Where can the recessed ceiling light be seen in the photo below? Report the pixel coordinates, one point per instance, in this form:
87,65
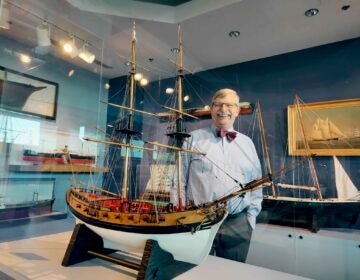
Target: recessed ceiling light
71,72
345,7
311,12
234,34
174,50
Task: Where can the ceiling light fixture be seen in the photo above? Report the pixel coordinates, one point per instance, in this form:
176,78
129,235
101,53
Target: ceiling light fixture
138,76
24,58
43,34
311,12
4,15
70,47
169,90
144,82
85,55
71,72
234,34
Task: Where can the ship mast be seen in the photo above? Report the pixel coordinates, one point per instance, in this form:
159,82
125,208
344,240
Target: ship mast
179,128
179,133
307,149
265,147
129,127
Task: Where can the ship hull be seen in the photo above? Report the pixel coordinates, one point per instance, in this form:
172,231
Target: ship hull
309,213
25,210
59,158
184,246
187,235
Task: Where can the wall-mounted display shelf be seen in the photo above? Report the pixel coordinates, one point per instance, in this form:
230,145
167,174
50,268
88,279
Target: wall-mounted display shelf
64,168
245,109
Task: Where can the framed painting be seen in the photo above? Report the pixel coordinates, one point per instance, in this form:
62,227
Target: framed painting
330,128
26,94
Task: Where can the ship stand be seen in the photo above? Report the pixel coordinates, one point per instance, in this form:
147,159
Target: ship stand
155,264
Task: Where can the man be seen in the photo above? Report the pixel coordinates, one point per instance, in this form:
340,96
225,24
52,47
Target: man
230,159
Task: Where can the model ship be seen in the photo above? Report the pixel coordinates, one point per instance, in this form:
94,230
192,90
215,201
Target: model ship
23,198
24,209
126,223
62,157
313,211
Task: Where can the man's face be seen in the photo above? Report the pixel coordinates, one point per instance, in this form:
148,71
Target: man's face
224,111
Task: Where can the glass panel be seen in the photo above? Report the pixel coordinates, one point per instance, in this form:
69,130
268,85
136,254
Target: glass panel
49,102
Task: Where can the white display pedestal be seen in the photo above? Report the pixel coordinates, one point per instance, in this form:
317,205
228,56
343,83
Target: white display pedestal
221,269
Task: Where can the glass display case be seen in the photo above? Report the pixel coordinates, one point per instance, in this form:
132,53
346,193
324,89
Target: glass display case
26,197
64,93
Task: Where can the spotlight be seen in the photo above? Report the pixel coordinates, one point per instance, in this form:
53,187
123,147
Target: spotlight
138,76
24,58
4,16
71,72
169,90
70,47
85,55
43,35
144,82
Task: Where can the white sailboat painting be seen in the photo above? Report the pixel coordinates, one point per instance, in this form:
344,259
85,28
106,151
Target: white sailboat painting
323,130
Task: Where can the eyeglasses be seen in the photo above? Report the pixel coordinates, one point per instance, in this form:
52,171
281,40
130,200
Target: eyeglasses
227,105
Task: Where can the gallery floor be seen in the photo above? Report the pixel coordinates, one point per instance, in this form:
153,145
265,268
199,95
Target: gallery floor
35,251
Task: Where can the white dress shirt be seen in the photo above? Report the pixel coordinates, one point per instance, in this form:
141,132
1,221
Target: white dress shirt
206,178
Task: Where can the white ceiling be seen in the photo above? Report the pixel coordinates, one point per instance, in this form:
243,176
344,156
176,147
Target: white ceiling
267,27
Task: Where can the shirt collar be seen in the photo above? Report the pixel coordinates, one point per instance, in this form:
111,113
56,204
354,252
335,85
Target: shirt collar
214,129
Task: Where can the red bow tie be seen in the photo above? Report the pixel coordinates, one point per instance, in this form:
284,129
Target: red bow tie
230,135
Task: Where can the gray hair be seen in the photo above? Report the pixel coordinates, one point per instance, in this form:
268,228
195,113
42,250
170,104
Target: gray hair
224,92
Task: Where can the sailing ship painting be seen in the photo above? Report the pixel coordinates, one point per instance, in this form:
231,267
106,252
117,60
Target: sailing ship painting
284,205
331,128
125,222
325,130
14,95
